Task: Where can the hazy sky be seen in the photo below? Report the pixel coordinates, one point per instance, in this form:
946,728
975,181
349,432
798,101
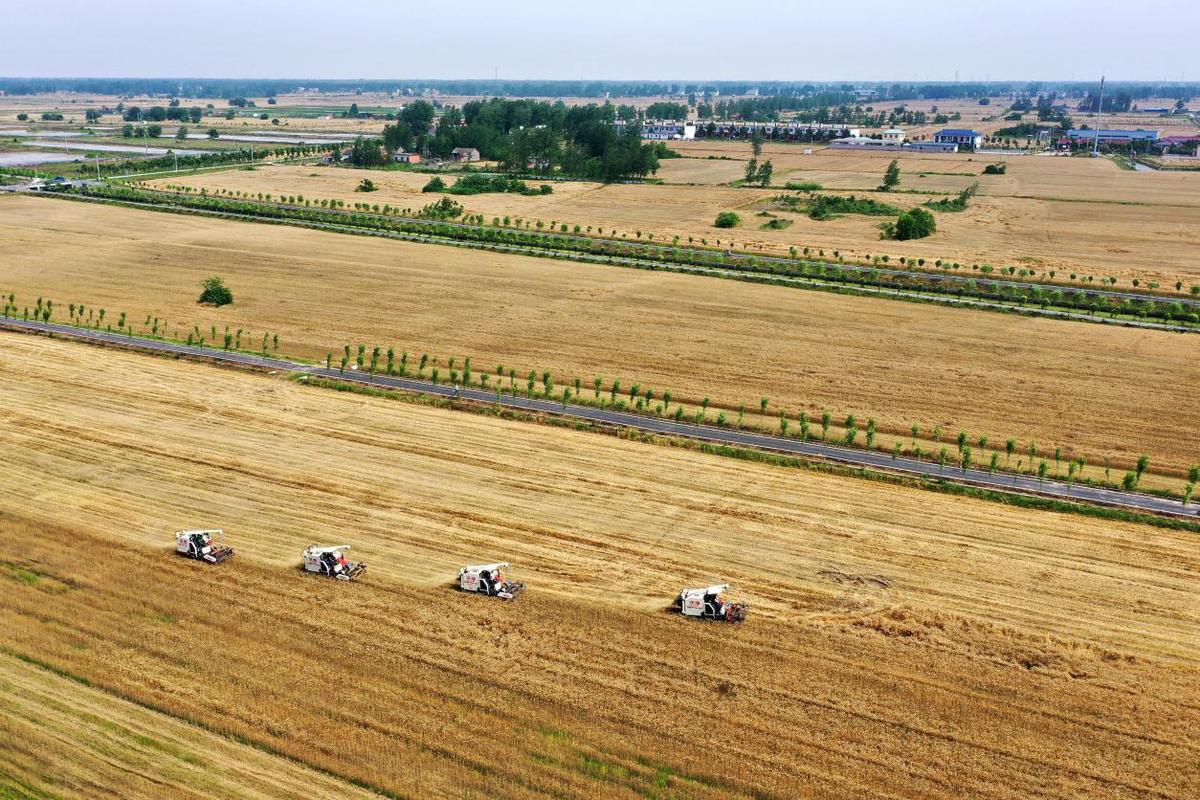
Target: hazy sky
680,40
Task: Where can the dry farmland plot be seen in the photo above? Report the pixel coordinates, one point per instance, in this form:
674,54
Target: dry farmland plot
971,648
1068,215
900,363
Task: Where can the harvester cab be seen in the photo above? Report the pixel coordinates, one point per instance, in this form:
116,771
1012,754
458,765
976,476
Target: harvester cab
711,603
202,545
489,579
331,562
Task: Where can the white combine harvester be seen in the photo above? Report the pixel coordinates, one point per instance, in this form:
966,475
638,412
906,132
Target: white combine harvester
711,603
199,544
489,579
330,562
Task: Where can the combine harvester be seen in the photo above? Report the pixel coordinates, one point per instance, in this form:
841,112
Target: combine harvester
710,603
330,562
198,544
489,579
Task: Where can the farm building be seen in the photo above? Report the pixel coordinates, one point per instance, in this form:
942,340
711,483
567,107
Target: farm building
779,131
662,131
407,158
1176,142
1111,136
464,154
962,137
893,135
867,143
864,143
932,147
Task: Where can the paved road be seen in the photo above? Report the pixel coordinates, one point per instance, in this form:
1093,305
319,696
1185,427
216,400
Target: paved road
842,455
665,266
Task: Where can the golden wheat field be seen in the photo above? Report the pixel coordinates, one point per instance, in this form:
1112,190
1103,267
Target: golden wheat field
1070,215
900,363
901,643
63,738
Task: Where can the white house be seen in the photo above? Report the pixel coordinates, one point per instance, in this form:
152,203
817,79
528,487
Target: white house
664,131
864,143
893,135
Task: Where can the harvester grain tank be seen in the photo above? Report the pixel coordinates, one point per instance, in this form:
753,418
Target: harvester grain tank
330,561
202,545
711,603
489,579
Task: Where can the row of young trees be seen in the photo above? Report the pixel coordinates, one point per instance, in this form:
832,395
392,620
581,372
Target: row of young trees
80,315
1042,296
201,160
638,398
84,316
612,394
563,241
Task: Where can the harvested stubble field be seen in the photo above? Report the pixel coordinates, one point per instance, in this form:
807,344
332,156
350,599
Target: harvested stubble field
987,374
901,643
1047,213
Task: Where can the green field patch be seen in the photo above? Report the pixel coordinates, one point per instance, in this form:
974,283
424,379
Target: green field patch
39,579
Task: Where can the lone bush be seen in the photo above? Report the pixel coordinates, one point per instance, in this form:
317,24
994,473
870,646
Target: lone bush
727,219
915,224
215,292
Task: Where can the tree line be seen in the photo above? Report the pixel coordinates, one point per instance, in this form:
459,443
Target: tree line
525,136
638,398
805,425
560,238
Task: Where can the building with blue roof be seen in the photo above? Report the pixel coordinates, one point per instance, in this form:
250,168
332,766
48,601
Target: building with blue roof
963,137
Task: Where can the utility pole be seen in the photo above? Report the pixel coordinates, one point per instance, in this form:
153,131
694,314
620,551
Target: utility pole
1099,111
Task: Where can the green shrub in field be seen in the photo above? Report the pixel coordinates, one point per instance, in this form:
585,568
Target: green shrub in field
216,292
827,206
958,203
915,224
727,219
